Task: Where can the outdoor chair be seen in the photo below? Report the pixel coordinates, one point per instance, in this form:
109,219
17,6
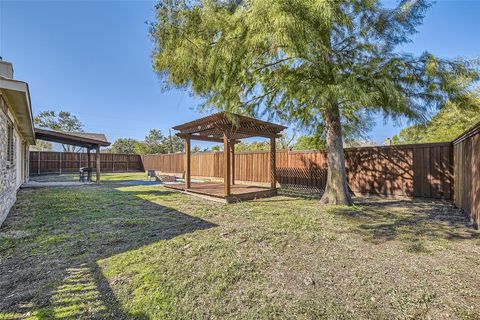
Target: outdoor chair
151,174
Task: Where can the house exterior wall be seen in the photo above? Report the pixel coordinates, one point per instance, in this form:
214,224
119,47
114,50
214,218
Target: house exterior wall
12,174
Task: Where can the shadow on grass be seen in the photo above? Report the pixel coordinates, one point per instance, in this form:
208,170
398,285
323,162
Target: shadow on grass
410,220
53,238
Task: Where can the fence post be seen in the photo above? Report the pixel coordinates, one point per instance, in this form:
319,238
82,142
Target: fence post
38,161
60,162
113,163
128,159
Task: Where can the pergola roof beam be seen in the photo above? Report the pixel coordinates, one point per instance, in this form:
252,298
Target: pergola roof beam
215,125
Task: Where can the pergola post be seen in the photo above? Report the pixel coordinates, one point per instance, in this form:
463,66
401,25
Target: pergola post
232,146
187,163
273,164
89,163
98,163
226,166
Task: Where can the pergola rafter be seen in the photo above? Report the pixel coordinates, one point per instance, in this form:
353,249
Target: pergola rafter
228,128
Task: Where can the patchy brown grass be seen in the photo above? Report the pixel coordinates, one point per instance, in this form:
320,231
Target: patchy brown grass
132,251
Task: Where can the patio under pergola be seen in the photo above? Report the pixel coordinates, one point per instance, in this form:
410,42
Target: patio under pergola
228,128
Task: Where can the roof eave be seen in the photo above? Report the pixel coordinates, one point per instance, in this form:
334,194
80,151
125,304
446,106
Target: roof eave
17,94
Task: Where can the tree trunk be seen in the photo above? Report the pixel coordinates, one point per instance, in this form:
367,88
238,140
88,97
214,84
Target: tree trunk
336,190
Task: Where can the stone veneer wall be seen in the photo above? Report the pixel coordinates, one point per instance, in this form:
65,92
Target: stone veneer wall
8,189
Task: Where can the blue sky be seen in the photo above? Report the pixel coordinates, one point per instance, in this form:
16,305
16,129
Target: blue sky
92,58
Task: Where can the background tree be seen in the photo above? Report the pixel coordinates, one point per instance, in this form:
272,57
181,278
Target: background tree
63,121
196,149
125,145
154,142
252,146
317,64
286,141
41,145
217,148
353,133
446,125
175,144
309,143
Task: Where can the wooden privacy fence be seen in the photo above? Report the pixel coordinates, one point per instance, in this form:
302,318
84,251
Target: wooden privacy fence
423,170
466,149
48,162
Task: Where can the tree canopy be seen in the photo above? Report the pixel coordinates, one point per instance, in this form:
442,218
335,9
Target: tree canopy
125,145
309,143
446,125
154,143
41,145
63,121
322,65
294,57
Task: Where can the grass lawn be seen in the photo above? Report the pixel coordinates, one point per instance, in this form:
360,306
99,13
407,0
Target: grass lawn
120,250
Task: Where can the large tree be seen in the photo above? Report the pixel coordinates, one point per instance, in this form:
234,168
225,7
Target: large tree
125,145
156,142
316,63
446,125
63,121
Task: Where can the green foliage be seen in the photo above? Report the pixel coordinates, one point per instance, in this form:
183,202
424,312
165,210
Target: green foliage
217,148
316,64
446,125
252,146
309,143
155,143
41,145
63,121
353,131
296,59
196,149
125,145
286,141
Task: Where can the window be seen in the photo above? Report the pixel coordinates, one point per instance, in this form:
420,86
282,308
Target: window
10,143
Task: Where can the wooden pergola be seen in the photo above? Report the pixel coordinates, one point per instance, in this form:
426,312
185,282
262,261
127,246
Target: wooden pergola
228,128
81,139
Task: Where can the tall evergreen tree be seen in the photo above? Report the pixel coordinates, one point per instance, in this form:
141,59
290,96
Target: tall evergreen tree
317,63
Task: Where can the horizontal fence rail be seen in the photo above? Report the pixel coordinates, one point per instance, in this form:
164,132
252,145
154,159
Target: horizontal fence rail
49,162
466,151
423,170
